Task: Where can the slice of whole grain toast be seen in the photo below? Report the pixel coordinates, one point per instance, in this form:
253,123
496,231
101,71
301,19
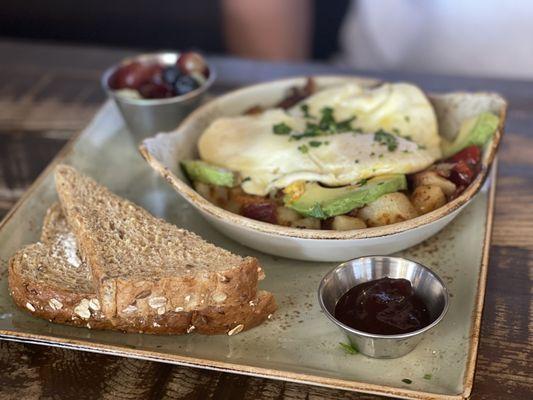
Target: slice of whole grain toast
143,266
50,280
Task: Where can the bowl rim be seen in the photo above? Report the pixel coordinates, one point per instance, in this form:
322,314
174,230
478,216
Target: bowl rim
277,230
104,79
407,335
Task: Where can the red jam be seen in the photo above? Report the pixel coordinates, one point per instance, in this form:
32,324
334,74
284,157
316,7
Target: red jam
384,306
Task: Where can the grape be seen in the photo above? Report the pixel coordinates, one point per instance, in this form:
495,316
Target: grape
192,62
133,75
171,74
185,84
151,90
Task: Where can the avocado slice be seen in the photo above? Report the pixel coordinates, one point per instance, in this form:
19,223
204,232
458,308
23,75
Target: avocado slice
321,202
201,171
473,131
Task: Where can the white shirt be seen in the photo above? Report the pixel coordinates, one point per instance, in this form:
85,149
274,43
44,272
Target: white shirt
464,37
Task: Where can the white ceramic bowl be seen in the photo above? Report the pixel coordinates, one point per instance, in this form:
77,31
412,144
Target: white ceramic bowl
164,151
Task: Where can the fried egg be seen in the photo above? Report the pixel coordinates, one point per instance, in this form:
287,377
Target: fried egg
249,145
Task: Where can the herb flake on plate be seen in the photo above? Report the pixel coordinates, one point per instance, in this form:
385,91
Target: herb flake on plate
349,348
408,381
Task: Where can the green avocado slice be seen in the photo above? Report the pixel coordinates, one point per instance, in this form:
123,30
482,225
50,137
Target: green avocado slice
201,171
321,202
473,131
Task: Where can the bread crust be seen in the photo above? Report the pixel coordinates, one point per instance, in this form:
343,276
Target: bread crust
59,306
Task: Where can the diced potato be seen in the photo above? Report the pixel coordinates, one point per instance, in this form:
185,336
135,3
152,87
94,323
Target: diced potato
388,209
286,216
219,194
427,198
240,197
236,191
203,190
347,223
306,223
277,197
233,207
431,178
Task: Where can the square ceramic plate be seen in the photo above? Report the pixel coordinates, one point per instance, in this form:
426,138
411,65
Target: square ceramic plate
299,343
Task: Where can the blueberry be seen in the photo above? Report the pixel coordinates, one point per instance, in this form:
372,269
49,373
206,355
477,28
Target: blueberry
185,84
171,74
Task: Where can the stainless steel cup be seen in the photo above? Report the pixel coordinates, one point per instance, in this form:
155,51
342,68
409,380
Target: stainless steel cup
425,283
146,117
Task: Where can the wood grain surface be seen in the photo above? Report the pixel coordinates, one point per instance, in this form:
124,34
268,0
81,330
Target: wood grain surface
47,93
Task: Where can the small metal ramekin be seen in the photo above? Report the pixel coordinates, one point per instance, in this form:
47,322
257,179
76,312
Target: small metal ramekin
425,283
146,117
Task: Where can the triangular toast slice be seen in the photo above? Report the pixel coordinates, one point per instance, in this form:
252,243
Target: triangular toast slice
143,266
50,280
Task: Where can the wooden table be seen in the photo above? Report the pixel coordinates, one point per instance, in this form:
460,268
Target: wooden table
49,92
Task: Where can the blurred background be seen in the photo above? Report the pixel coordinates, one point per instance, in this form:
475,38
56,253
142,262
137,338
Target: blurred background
482,38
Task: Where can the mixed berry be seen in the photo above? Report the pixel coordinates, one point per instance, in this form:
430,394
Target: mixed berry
157,81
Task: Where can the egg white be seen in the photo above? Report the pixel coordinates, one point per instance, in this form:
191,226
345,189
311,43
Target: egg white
248,145
399,108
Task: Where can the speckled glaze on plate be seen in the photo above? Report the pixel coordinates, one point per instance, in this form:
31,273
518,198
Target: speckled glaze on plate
299,343
165,150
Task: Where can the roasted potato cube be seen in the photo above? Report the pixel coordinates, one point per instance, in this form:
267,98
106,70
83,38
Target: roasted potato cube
347,223
431,178
286,216
220,194
388,209
203,190
233,207
306,223
427,198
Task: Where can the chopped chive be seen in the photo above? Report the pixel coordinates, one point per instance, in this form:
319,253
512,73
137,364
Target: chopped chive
428,377
315,143
305,110
281,129
408,381
303,148
386,139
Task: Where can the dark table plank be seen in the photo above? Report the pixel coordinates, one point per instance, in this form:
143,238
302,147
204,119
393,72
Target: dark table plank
47,93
